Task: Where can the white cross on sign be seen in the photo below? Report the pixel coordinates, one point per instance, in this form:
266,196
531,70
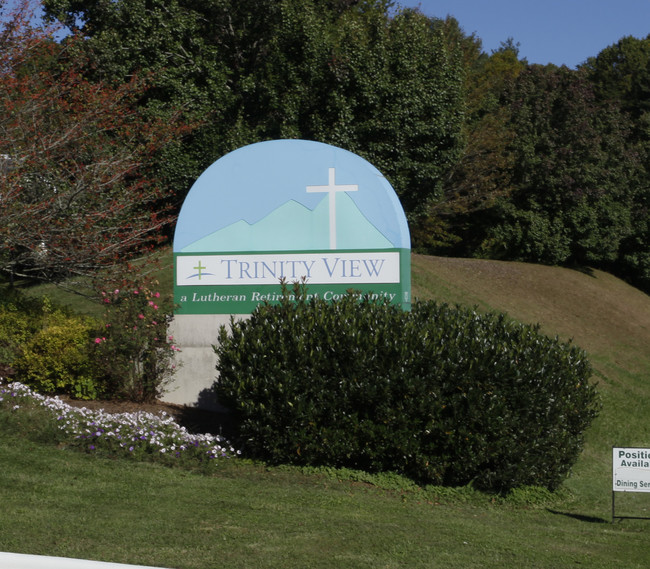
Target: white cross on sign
331,190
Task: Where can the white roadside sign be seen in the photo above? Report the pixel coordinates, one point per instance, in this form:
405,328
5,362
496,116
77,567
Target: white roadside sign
631,469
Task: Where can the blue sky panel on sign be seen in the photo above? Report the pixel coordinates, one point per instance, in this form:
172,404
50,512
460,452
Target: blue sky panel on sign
285,202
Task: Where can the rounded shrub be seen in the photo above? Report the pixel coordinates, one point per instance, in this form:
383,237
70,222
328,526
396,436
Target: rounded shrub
441,394
58,358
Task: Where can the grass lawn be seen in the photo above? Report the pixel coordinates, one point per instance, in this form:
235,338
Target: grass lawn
58,502
61,503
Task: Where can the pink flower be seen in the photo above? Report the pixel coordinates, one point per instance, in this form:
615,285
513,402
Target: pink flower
136,291
99,340
156,294
116,291
141,316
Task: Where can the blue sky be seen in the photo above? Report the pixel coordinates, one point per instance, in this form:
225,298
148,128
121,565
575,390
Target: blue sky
563,32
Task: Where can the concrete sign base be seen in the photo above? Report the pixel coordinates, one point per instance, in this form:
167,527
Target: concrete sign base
196,363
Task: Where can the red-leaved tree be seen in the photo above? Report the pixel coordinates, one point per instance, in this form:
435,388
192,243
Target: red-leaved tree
77,191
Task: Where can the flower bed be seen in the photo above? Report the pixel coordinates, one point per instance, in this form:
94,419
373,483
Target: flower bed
137,434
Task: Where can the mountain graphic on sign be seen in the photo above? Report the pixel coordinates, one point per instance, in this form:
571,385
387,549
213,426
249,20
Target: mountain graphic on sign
293,226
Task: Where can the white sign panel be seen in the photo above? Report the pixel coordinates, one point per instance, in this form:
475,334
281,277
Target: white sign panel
631,469
267,269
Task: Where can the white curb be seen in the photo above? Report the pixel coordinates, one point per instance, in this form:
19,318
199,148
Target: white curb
19,561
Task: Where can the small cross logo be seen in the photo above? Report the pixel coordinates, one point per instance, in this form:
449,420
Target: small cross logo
200,269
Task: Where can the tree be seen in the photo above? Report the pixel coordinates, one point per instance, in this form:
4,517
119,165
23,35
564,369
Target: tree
181,43
458,222
573,176
338,71
620,75
76,194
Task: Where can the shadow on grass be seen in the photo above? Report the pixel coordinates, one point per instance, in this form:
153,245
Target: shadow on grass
199,421
584,270
580,517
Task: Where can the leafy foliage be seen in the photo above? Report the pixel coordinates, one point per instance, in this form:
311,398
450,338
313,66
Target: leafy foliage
620,76
570,205
442,395
20,319
57,359
345,73
457,224
74,157
489,155
125,355
620,73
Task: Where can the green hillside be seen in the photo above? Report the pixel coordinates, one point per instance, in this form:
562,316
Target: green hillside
598,312
246,515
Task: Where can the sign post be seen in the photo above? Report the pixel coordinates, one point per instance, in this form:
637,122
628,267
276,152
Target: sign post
630,473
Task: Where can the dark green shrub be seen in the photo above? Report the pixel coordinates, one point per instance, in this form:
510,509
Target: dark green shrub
443,395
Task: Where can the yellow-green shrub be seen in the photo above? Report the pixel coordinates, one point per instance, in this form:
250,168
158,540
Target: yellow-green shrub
15,330
58,359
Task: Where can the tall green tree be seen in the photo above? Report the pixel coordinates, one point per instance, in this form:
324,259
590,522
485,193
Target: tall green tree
572,176
395,97
458,222
339,71
620,75
175,41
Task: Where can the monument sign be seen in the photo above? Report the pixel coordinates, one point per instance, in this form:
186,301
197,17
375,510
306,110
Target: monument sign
289,209
283,209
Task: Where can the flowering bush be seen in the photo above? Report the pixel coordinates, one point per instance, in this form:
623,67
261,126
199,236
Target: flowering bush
133,350
138,434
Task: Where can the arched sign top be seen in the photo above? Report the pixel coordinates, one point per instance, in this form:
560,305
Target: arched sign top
284,195
289,210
